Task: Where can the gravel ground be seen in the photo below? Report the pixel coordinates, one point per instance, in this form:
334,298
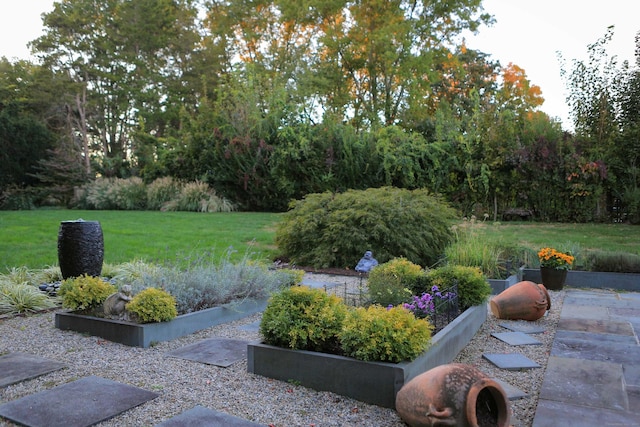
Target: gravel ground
182,384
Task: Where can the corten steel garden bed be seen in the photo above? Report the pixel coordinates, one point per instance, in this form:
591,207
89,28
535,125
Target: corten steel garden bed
592,279
143,335
371,382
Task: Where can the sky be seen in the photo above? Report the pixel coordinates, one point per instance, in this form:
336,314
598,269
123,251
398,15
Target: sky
527,33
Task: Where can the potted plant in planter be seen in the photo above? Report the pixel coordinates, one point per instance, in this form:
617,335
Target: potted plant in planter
554,265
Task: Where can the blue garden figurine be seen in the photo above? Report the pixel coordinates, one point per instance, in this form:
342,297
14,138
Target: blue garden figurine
366,263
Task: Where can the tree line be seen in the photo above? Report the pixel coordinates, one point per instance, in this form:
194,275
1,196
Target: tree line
270,100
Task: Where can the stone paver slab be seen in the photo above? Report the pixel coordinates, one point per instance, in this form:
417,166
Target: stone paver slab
522,326
560,414
201,416
516,338
596,326
16,367
584,382
510,361
584,312
633,394
221,352
80,403
513,393
605,347
632,374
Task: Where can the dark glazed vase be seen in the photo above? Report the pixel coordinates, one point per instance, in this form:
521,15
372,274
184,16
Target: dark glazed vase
453,395
80,248
553,279
523,301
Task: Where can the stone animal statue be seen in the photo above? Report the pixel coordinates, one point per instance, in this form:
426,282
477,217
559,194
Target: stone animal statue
114,305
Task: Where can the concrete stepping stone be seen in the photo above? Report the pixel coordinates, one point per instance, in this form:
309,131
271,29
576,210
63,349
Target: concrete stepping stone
222,352
16,367
513,393
516,338
201,416
523,326
588,383
510,361
80,403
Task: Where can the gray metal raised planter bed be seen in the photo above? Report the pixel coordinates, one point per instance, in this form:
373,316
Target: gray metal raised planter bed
499,285
143,335
592,279
371,382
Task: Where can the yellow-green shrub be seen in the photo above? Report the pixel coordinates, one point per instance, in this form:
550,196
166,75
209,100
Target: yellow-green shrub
302,318
153,305
393,282
84,292
473,288
387,335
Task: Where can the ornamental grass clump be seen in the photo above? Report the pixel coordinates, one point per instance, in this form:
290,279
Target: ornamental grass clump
552,258
209,282
383,334
23,298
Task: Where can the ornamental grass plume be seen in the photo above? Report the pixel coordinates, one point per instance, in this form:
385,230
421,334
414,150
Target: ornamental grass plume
552,258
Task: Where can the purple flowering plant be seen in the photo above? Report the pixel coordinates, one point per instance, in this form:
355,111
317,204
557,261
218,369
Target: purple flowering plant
426,304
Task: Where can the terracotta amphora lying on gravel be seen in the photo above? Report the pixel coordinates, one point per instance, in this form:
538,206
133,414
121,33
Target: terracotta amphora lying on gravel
456,394
522,301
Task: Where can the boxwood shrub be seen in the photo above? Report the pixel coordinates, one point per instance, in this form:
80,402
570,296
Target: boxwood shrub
473,288
394,282
153,305
303,318
391,335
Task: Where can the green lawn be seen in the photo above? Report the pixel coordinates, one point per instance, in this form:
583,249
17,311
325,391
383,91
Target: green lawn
29,238
536,235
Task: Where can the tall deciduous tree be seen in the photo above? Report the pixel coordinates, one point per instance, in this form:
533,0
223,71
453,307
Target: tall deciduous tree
122,58
358,60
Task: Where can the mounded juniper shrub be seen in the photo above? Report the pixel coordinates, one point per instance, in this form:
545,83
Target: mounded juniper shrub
383,334
302,318
84,292
153,305
333,230
473,288
395,281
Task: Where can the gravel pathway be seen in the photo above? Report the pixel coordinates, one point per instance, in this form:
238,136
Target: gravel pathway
183,384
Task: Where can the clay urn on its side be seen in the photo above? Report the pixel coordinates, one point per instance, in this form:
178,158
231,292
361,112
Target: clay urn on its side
523,301
455,394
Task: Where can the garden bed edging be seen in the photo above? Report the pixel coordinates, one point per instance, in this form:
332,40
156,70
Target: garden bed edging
144,334
376,383
592,279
